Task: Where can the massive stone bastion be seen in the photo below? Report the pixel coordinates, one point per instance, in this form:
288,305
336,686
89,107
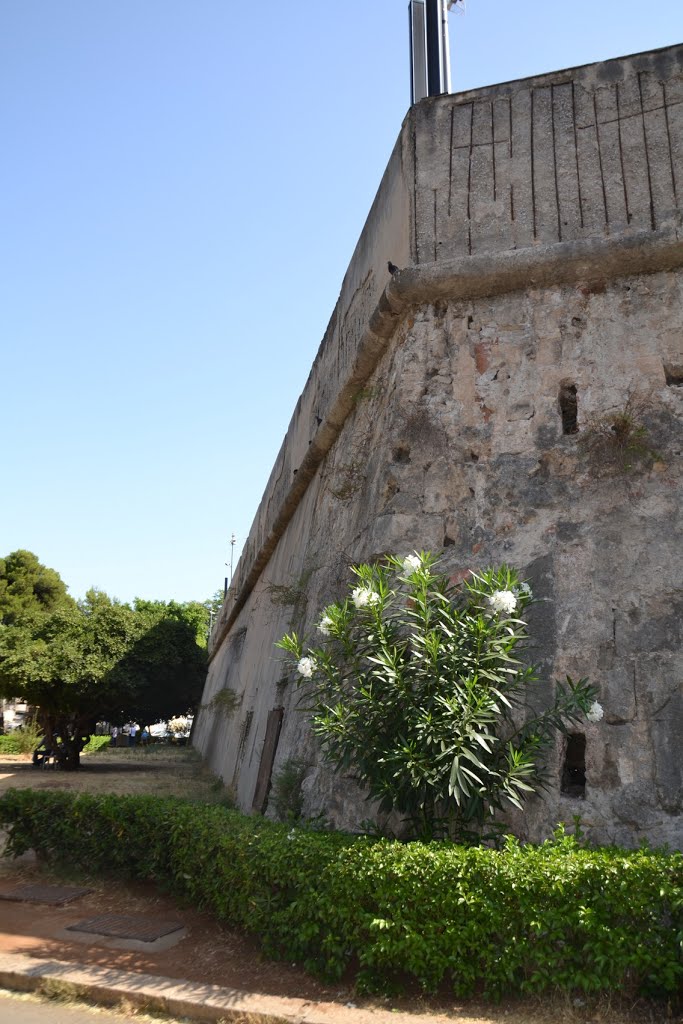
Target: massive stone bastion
513,394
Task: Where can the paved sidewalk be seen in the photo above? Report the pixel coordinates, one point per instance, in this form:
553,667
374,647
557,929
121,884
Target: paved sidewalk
185,999
200,970
166,939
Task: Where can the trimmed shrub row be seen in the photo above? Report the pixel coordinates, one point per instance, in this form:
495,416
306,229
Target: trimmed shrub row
25,742
97,743
11,744
22,741
522,919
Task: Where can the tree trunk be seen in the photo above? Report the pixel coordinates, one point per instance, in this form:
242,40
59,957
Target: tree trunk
65,737
70,759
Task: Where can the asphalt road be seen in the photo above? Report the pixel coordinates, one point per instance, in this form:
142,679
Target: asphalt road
19,1009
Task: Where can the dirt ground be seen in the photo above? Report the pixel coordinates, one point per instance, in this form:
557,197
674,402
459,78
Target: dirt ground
211,953
160,770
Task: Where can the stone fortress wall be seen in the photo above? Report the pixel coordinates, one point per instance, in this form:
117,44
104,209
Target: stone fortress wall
514,393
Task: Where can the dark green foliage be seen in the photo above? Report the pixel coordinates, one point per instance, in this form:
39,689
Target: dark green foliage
286,797
520,919
21,741
420,689
96,659
97,743
166,664
68,665
28,588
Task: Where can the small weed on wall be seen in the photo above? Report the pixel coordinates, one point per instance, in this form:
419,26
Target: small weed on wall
292,595
618,442
225,702
286,794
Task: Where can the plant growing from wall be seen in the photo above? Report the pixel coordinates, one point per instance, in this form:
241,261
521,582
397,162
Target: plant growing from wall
226,702
286,796
349,467
349,478
417,687
619,441
292,595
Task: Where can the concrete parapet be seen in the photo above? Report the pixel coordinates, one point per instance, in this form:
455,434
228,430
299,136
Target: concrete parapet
578,173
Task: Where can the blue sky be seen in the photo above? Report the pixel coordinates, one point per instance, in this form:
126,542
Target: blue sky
182,186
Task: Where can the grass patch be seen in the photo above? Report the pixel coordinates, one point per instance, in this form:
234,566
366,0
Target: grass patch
160,770
96,743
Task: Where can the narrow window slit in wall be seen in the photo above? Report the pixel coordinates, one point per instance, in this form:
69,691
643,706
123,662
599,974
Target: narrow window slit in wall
569,406
574,768
674,375
400,454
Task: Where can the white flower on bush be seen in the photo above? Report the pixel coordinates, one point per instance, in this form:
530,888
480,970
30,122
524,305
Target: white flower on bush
595,712
324,625
411,563
503,601
306,667
524,589
363,597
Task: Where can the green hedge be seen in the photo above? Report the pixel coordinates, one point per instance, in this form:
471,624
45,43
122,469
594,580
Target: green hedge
96,743
10,745
24,742
524,919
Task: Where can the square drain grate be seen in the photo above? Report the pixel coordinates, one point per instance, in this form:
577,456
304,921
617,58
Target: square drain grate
54,894
122,926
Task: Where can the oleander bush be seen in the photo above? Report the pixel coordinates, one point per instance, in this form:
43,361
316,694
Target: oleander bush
420,689
388,914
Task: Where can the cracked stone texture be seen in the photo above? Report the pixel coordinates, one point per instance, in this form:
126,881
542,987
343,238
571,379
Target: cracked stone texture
449,464
431,419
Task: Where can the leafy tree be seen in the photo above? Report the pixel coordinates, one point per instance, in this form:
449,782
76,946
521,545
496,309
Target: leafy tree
28,588
418,688
215,603
68,665
169,659
100,659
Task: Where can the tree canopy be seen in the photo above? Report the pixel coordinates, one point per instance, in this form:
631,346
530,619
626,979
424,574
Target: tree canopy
80,662
28,588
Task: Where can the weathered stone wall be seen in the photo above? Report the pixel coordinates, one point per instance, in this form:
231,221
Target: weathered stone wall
539,224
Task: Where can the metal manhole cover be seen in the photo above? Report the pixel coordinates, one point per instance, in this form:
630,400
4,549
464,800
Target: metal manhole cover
56,894
121,926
